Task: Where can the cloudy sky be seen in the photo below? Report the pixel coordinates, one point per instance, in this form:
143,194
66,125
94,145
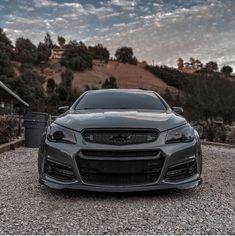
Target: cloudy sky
159,31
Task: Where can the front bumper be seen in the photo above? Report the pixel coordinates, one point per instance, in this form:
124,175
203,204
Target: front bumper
173,154
181,186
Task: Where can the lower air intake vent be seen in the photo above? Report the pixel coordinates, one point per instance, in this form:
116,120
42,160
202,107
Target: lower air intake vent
181,171
59,171
120,168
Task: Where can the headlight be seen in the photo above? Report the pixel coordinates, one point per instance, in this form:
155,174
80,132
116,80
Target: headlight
183,133
60,134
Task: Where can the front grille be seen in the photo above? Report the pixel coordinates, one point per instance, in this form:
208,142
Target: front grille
120,136
118,153
120,169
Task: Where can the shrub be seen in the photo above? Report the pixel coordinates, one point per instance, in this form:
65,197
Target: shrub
87,88
110,83
67,78
77,56
6,47
99,52
26,51
125,55
9,129
50,85
43,52
231,136
205,96
6,67
227,70
62,92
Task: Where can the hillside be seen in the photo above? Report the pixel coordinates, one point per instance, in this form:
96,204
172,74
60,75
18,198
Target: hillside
128,76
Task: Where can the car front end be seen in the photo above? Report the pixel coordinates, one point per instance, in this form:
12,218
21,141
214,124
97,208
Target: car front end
120,151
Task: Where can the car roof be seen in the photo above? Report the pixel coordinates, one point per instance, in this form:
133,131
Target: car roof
121,90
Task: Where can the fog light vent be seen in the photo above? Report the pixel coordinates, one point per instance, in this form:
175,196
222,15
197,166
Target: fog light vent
59,171
182,171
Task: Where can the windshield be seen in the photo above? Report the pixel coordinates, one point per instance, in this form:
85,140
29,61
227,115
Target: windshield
120,100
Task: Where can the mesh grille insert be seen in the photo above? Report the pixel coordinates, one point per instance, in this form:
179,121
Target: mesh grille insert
121,136
102,169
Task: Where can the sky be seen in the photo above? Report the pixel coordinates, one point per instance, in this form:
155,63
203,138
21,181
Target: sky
159,31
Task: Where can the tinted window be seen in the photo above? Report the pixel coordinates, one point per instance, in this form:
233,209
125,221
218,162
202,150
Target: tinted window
120,100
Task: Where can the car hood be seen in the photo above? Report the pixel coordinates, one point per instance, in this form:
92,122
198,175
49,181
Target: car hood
79,120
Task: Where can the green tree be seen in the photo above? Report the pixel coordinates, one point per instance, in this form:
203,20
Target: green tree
125,55
50,85
6,47
26,51
210,98
99,52
44,52
6,67
211,66
48,41
77,56
62,92
227,70
67,78
29,87
61,40
180,64
192,62
168,96
110,83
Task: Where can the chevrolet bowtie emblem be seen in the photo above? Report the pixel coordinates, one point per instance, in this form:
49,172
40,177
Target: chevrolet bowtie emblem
119,138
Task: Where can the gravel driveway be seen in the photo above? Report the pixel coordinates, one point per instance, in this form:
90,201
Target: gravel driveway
28,208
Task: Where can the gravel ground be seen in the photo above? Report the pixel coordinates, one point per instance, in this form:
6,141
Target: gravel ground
28,208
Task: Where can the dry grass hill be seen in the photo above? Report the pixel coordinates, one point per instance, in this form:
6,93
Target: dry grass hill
128,76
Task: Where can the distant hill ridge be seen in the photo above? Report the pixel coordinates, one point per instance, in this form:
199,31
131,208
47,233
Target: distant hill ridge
127,75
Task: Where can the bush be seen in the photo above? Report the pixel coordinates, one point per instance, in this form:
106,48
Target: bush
50,85
43,52
87,88
67,78
110,83
9,129
125,55
25,51
77,56
99,52
216,133
227,70
6,67
231,136
62,92
205,96
171,76
6,47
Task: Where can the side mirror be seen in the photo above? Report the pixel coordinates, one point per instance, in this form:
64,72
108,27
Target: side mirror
63,109
178,110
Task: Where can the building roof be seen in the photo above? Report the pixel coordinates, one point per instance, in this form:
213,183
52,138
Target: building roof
5,88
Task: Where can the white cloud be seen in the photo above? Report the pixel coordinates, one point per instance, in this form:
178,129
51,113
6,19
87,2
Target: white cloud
71,5
45,3
185,32
122,3
26,8
91,9
108,16
154,30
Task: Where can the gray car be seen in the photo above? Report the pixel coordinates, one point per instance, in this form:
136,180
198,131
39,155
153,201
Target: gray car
120,140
